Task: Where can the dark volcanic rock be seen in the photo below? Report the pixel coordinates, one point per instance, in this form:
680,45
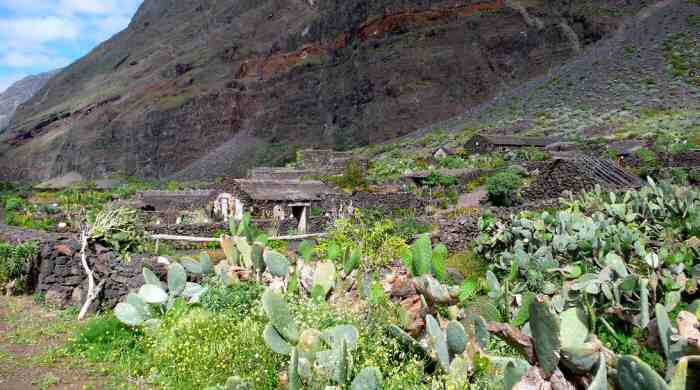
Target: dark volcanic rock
207,89
19,93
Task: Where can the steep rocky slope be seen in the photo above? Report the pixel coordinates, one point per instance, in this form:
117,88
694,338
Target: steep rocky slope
206,88
18,93
647,69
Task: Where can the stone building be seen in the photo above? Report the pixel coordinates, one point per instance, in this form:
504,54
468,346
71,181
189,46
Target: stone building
280,199
442,152
482,143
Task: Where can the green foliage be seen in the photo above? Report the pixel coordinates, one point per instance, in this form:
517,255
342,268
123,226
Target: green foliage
152,300
195,349
14,263
354,178
437,179
502,187
423,259
119,228
683,54
452,162
106,339
377,240
649,163
19,212
238,299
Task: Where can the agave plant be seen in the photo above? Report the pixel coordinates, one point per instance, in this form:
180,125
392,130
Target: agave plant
155,297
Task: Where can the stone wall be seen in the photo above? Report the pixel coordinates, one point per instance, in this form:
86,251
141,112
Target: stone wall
386,202
458,233
57,272
555,178
264,173
61,278
177,200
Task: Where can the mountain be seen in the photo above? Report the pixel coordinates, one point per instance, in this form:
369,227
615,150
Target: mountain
201,89
18,93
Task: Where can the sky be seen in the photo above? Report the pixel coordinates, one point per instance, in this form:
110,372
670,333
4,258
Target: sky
41,35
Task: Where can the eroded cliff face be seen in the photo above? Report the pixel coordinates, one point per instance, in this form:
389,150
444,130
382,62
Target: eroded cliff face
18,93
200,89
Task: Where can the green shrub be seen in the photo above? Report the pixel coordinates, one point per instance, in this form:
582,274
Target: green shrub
14,263
649,163
438,179
502,187
353,178
196,349
119,228
452,162
237,299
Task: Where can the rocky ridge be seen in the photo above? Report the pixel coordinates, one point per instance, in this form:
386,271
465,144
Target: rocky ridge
208,89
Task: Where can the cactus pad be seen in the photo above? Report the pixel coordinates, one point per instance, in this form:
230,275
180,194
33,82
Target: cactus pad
370,378
281,318
545,332
456,337
634,374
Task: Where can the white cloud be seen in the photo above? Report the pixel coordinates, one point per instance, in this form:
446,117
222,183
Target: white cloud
40,35
38,30
19,60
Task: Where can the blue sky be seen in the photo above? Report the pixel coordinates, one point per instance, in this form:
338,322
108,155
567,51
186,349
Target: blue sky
41,35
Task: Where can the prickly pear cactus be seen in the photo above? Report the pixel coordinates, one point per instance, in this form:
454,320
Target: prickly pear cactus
280,317
512,375
439,262
309,342
600,381
325,276
275,341
665,329
574,328
438,342
644,302
456,338
545,332
333,336
177,278
294,378
370,378
277,264
422,256
151,278
634,374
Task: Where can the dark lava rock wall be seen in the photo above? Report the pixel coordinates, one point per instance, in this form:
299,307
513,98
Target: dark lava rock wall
202,89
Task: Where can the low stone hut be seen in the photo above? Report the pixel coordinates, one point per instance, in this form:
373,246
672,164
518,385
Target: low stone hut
579,175
280,199
442,152
482,143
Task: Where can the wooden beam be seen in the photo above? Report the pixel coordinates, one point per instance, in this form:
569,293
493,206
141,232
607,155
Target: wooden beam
170,237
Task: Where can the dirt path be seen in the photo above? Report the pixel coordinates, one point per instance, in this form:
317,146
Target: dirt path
29,337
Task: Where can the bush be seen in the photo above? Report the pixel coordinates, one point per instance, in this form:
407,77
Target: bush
353,178
238,299
502,187
121,229
14,263
649,163
196,349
